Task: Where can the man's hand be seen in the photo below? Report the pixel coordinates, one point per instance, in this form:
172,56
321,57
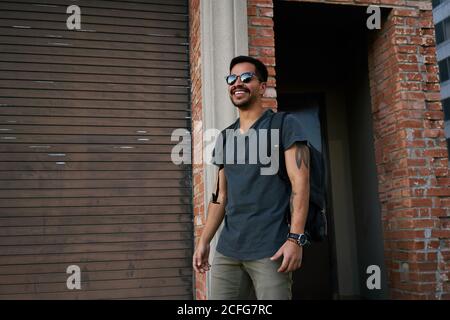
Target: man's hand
292,257
200,258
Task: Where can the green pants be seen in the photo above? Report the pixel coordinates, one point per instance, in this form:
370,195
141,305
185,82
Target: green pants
233,279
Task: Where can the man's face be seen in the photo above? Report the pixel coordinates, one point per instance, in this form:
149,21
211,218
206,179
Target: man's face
243,95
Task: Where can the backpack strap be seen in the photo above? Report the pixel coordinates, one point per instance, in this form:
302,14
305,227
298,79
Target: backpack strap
223,133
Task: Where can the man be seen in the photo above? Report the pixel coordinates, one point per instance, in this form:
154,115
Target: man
257,249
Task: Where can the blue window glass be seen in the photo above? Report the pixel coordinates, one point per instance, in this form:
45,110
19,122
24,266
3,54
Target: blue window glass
439,29
443,70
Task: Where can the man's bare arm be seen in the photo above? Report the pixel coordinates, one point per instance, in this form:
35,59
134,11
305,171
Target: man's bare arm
297,160
216,213
298,168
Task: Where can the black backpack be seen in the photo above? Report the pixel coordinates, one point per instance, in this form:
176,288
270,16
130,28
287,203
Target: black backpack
316,223
316,227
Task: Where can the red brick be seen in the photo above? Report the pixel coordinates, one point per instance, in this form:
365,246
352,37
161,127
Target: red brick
265,12
408,245
260,3
251,11
405,12
253,31
252,51
268,61
266,32
258,21
262,42
436,153
267,52
269,103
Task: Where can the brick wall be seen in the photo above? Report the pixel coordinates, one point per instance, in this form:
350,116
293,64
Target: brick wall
261,42
197,134
411,153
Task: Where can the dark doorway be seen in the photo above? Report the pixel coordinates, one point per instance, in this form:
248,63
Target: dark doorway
321,65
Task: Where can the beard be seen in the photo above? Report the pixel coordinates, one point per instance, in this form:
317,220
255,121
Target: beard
243,103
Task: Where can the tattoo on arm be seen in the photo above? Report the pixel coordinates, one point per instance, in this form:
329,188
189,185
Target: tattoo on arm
302,155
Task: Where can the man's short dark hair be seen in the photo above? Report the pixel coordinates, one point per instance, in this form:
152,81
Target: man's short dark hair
260,68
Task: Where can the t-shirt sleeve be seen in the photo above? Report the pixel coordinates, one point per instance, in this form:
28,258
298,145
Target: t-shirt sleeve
293,131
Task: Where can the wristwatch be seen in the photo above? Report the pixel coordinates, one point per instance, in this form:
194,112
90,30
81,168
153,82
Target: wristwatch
301,238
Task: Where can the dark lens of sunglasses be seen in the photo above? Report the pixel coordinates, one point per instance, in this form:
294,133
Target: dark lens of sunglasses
246,77
231,79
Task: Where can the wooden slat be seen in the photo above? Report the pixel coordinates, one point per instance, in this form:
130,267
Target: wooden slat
11,137
87,86
70,184
153,191
142,139
69,94
91,247
88,78
92,260
19,22
89,18
122,3
91,10
101,166
166,234
93,121
79,70
90,266
93,175
71,112
97,285
76,130
94,61
151,6
54,50
92,104
99,211
116,293
92,220
88,258
95,40
89,157
61,276
91,202
157,157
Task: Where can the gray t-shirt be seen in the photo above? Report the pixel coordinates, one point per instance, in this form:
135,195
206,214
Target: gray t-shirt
255,224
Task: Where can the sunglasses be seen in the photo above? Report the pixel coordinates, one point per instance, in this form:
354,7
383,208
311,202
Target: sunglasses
246,77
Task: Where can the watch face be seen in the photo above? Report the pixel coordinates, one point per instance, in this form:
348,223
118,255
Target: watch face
302,240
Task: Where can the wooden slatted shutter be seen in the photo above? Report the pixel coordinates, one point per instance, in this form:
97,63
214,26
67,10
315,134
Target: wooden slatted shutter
86,176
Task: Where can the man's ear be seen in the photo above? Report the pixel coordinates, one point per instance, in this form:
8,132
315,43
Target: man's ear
263,87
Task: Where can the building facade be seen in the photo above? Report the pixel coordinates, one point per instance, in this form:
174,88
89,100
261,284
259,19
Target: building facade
87,116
